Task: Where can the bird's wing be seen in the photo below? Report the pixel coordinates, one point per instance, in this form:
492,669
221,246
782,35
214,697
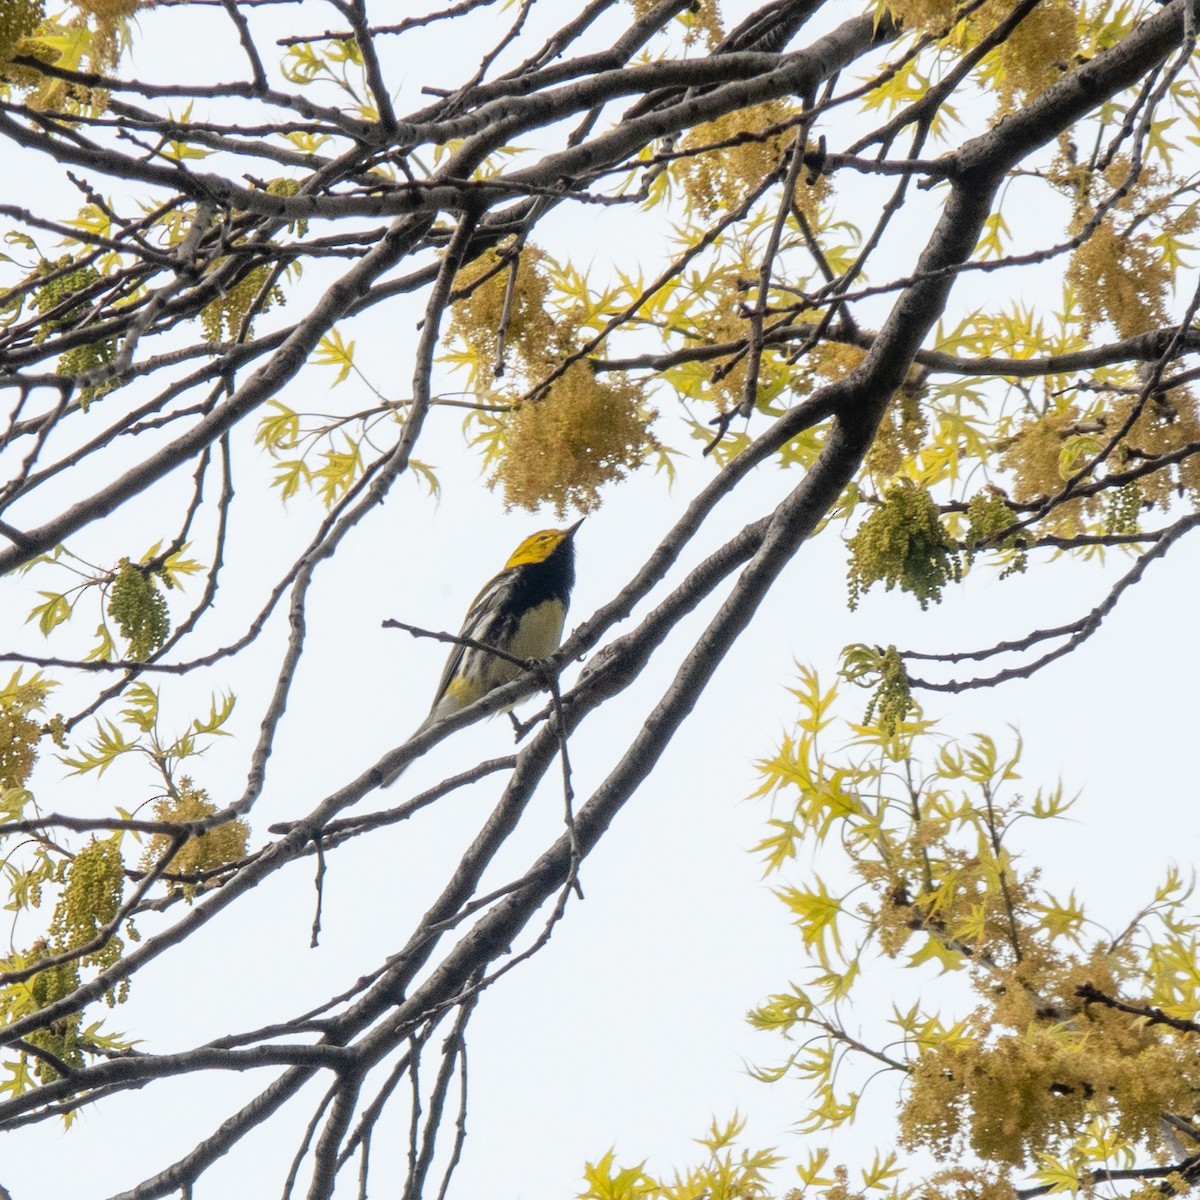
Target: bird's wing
476,626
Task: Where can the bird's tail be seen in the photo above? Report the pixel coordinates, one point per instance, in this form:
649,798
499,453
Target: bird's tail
391,777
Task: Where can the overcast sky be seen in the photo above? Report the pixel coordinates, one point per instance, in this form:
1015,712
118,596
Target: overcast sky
628,1029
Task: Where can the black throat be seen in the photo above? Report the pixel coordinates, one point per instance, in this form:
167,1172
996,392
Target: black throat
551,579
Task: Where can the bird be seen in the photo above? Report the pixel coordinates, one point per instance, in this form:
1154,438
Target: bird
521,611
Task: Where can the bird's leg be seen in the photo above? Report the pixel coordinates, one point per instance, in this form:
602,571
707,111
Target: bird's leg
547,668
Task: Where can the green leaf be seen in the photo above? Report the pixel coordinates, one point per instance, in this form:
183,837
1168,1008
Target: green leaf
816,912
20,1078
1059,1176
175,565
810,1172
101,752
606,1181
51,556
331,351
105,649
341,468
425,473
880,1171
279,430
935,950
216,716
54,611
289,475
142,712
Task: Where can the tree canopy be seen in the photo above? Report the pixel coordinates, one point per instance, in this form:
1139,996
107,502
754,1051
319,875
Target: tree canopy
266,263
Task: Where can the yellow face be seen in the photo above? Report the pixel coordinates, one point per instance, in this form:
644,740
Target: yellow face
538,547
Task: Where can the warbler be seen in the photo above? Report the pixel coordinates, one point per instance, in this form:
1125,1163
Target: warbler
521,611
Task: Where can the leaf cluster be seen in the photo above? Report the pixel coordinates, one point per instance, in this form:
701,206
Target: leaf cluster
82,934
131,593
139,734
20,732
561,442
91,919
139,609
727,1170
64,302
196,864
1078,1044
17,21
231,315
903,543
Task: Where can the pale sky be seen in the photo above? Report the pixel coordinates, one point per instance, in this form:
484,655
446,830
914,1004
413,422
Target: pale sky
628,1029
